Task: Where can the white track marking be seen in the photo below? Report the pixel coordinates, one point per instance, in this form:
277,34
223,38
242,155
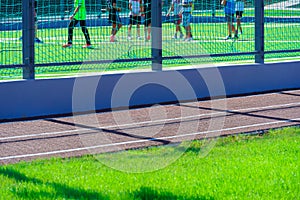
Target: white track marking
41,134
148,122
271,25
141,43
58,40
140,141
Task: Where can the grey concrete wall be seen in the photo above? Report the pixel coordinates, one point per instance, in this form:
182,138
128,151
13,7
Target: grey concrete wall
34,98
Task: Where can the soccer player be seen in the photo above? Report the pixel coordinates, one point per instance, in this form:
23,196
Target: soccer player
187,6
79,15
229,8
36,40
147,22
135,8
114,18
177,11
239,9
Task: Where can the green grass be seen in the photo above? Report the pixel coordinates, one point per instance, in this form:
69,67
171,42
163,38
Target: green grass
238,167
209,39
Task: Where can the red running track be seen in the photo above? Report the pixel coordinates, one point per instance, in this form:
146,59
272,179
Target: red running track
156,125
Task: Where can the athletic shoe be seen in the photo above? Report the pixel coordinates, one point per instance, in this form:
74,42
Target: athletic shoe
116,38
189,39
236,36
89,46
181,36
228,37
112,38
138,37
37,40
174,37
67,46
129,38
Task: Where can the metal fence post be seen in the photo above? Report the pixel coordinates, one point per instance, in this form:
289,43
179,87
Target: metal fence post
213,8
28,36
156,35
259,31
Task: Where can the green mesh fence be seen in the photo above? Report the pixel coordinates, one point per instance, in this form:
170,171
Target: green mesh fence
208,30
10,47
281,35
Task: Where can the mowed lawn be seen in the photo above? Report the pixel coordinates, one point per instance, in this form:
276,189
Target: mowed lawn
237,167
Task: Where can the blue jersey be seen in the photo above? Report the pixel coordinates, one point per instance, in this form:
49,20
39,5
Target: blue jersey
135,7
229,7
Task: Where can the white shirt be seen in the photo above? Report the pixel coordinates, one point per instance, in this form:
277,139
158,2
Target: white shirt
177,6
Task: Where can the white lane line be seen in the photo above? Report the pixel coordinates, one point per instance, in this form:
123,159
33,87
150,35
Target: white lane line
140,44
124,40
40,134
75,131
142,140
98,38
272,25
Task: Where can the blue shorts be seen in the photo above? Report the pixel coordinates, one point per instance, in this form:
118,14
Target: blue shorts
229,17
135,20
186,19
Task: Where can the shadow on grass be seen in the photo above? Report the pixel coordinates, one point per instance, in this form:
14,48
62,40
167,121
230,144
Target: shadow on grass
54,190
146,193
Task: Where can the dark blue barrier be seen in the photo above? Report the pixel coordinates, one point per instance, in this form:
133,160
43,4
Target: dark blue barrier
44,97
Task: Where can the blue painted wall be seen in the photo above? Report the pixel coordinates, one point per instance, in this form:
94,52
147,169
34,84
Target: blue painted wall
33,98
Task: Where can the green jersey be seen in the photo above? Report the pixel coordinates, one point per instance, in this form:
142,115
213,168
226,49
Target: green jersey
81,14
